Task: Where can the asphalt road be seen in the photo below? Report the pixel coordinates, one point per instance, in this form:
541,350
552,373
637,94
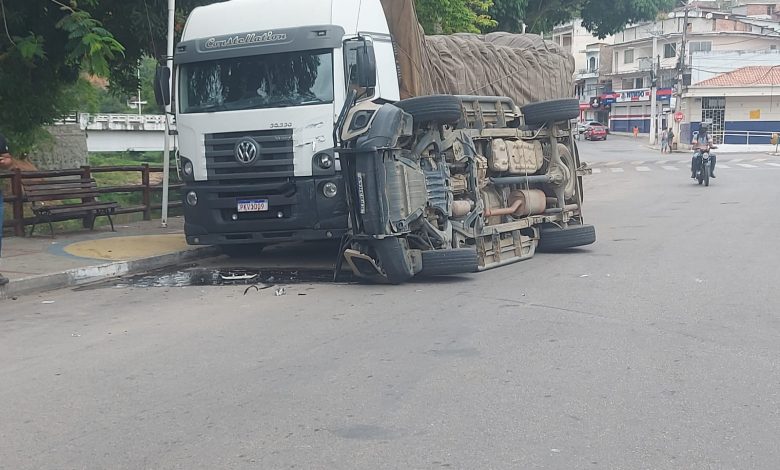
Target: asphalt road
656,348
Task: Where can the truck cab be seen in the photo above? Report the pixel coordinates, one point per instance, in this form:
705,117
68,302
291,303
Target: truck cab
258,87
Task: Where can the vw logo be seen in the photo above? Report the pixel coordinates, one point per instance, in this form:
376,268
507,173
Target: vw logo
246,151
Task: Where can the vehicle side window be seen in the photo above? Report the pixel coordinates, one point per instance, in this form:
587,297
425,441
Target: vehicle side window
351,70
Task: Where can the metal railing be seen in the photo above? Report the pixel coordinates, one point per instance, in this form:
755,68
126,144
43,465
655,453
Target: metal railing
17,200
730,137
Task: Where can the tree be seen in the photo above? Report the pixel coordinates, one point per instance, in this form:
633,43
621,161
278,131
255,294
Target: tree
453,16
46,45
601,17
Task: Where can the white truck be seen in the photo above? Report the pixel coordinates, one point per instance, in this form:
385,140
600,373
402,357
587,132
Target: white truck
291,127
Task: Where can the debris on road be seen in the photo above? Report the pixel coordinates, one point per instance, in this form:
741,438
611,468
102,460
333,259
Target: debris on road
258,287
280,291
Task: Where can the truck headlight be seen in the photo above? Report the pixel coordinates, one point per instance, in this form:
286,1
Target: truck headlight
187,168
330,190
192,198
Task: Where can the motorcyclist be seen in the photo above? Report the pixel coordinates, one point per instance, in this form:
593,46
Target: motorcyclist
702,142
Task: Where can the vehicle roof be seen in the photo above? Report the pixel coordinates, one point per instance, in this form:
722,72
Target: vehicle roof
239,16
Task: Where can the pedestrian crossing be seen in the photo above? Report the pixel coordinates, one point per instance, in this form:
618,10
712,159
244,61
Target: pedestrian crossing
649,166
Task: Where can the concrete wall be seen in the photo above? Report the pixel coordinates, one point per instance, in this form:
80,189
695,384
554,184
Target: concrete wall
738,120
120,141
67,149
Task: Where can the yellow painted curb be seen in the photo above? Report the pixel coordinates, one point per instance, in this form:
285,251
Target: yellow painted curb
128,248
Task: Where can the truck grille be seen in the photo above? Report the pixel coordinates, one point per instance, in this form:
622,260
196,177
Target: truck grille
270,176
274,163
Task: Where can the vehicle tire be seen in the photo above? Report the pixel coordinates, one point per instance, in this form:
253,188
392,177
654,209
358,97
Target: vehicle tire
553,238
706,171
700,177
444,109
243,250
551,111
449,262
391,257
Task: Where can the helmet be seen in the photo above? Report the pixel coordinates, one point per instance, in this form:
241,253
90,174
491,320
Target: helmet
704,127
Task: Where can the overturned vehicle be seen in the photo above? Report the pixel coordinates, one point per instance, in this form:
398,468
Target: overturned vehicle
447,184
476,167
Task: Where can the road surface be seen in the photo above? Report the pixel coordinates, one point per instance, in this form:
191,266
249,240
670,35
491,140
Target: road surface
656,348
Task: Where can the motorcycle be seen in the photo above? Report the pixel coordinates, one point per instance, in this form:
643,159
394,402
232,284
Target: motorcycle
703,164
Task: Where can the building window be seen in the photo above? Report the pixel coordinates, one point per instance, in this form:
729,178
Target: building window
628,83
700,46
639,82
670,50
592,64
628,56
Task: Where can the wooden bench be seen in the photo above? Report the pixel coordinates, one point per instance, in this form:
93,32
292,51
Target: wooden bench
41,193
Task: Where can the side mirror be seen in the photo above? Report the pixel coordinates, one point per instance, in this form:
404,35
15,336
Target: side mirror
162,85
366,66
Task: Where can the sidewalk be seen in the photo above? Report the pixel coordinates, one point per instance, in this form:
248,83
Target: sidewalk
43,263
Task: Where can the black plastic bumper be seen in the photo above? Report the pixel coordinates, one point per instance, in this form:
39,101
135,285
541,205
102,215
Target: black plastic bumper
298,213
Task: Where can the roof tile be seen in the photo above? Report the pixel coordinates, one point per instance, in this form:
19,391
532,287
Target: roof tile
759,75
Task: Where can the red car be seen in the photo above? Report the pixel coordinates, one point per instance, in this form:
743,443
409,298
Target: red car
596,133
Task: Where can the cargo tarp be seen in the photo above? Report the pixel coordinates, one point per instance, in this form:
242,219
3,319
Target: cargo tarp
524,67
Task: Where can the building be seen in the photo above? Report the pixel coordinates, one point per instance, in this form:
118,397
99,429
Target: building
743,106
590,63
648,54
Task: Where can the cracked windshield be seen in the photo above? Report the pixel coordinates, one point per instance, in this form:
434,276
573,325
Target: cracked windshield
255,82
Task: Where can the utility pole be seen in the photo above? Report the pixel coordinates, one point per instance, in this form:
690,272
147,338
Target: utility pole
167,145
659,121
654,93
681,73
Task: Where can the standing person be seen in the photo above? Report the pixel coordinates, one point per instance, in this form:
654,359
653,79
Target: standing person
670,139
636,132
664,141
5,160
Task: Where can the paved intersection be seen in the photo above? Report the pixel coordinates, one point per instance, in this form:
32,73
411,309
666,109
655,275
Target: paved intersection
646,166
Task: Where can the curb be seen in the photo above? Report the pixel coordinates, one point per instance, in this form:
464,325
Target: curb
89,274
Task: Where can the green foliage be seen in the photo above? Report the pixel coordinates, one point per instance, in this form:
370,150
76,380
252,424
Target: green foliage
508,14
453,16
49,43
89,44
601,17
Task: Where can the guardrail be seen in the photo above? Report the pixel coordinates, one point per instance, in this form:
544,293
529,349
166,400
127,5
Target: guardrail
17,200
745,137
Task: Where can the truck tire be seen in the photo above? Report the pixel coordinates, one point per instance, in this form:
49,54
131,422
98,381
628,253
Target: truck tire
551,111
449,262
391,255
553,238
242,250
444,109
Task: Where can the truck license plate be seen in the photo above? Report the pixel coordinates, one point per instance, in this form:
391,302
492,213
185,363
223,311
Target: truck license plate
252,205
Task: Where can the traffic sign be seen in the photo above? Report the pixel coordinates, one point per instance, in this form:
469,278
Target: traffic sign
678,116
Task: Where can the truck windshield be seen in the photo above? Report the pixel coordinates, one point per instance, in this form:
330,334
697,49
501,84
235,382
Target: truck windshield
254,82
